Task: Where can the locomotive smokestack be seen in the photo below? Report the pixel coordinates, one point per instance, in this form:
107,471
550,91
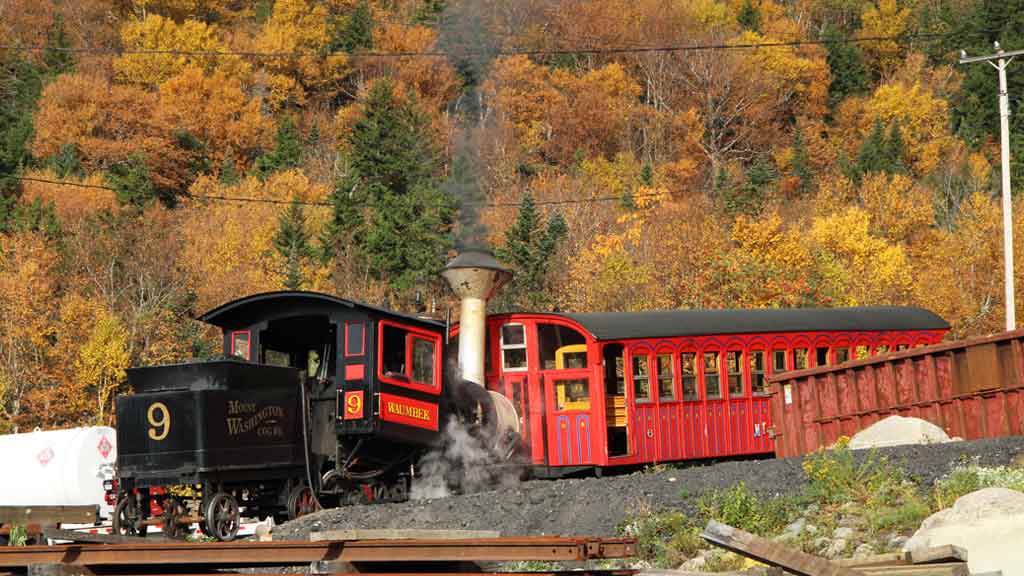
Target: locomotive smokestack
475,276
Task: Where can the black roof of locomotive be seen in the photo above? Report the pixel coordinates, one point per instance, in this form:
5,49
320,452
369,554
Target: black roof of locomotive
243,311
669,323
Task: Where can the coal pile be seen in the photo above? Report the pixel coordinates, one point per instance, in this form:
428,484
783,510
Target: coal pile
598,506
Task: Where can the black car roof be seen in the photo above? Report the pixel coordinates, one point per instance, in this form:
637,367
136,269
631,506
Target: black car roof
242,311
668,323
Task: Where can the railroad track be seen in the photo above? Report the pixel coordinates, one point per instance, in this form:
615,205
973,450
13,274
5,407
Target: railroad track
326,557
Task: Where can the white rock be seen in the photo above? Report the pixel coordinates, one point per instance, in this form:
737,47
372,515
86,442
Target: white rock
695,564
843,532
835,549
864,550
896,431
987,523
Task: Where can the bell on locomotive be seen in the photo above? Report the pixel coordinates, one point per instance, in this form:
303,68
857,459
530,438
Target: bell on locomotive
475,277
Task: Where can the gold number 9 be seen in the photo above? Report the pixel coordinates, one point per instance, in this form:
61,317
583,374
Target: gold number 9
159,420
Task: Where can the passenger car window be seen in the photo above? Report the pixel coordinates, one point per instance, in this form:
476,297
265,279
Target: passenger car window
799,358
560,347
778,361
735,369
513,347
666,378
641,379
572,394
712,382
688,363
757,383
842,355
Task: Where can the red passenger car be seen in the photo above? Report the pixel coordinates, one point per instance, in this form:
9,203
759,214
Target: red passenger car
612,389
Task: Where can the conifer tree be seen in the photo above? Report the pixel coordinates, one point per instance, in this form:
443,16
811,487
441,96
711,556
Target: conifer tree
355,31
339,236
749,16
287,153
849,75
292,243
131,181
57,55
395,171
530,244
20,87
880,152
801,163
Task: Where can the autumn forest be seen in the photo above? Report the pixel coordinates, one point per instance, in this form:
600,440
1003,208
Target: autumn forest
161,157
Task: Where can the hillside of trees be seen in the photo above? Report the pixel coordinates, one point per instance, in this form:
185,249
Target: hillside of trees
161,157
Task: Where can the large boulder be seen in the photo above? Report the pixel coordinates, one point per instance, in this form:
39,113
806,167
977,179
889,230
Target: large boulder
987,523
897,430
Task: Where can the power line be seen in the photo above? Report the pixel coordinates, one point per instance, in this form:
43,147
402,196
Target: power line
220,198
903,38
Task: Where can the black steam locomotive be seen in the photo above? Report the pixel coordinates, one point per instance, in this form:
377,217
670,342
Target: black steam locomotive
319,401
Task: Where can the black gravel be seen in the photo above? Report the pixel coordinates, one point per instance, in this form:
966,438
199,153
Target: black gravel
597,506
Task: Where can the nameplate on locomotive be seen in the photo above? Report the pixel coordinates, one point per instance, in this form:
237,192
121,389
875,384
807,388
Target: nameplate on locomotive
404,410
245,417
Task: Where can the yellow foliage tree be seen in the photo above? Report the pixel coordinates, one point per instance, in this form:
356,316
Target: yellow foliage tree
228,246
768,265
900,209
298,30
165,37
28,282
885,19
216,109
854,267
101,363
923,120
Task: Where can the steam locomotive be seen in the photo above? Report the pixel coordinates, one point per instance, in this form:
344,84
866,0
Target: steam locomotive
322,401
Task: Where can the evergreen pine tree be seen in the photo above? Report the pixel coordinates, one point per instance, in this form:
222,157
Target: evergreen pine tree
56,54
749,197
65,162
749,16
355,31
229,175
338,238
801,164
871,154
20,87
529,247
292,243
131,181
287,153
409,217
894,149
849,75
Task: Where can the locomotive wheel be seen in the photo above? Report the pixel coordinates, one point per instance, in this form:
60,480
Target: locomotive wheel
222,517
173,509
127,518
301,502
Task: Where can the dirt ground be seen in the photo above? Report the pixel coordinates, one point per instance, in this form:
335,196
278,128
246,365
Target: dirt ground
597,506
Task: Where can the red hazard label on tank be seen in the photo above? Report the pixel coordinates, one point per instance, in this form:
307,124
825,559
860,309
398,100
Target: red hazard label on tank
45,456
104,447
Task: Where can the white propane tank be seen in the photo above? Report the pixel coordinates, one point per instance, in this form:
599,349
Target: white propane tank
58,467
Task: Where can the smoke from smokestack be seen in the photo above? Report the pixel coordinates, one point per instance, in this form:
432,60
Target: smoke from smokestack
471,49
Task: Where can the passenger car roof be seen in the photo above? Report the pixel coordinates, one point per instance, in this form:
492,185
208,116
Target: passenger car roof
668,323
251,309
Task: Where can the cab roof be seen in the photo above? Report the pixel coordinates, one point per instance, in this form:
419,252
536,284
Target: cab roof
257,307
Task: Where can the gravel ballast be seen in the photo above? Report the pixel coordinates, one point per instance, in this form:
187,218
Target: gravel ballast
597,506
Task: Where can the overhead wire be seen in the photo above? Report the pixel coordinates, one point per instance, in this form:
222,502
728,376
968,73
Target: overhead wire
507,52
222,198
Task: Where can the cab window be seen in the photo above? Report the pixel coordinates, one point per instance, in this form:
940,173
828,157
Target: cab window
408,357
240,344
572,394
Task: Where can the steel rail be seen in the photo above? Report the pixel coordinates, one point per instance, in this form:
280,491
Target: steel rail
295,552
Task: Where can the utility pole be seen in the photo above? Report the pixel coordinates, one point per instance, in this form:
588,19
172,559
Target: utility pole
1002,59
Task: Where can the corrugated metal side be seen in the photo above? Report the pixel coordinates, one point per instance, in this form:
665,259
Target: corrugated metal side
971,389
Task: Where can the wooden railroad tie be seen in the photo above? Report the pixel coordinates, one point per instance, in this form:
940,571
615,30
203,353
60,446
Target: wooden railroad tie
938,561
